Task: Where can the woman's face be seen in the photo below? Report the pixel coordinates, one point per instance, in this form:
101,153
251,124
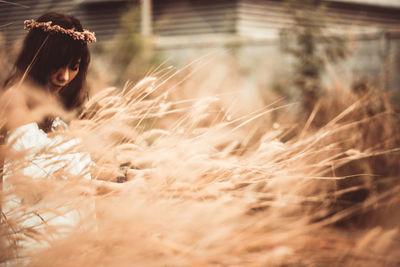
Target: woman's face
63,76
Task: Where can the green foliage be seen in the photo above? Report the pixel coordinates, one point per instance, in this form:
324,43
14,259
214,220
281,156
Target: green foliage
128,42
309,42
131,53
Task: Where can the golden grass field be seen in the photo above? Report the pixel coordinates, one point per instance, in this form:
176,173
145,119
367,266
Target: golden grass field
206,186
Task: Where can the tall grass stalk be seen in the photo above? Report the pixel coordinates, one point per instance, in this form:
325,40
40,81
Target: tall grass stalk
206,189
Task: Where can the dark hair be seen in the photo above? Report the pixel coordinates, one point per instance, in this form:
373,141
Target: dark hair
55,51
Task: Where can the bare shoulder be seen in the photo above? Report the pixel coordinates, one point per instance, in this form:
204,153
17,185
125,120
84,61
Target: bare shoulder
13,98
13,94
14,108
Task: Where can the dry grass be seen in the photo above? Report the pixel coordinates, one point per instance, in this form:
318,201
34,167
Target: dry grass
209,189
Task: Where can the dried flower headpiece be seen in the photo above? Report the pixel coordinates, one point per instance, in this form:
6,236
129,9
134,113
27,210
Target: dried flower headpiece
85,36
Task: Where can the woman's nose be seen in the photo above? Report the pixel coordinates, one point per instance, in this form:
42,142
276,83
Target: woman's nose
63,75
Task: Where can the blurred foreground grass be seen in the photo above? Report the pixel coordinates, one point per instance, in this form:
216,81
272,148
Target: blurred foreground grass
208,187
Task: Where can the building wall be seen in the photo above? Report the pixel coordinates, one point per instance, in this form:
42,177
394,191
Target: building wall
188,17
99,16
246,30
373,33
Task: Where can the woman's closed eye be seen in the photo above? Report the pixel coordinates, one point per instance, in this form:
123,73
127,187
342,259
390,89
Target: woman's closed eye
74,67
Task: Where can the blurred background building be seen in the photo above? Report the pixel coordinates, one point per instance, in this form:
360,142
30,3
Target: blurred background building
248,30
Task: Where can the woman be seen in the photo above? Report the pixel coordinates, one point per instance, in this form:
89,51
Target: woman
52,65
54,57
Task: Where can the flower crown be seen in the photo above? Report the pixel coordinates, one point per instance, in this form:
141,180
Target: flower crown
85,36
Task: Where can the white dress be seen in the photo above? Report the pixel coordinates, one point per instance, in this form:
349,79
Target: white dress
44,156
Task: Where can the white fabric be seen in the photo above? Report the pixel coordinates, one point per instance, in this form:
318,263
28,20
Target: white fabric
43,156
60,153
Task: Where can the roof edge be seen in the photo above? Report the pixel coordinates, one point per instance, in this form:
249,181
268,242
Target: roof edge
372,3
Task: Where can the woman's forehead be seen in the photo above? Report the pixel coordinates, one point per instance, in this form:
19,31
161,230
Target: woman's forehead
69,63
65,53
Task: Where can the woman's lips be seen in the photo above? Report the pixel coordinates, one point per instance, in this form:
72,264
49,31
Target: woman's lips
56,86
